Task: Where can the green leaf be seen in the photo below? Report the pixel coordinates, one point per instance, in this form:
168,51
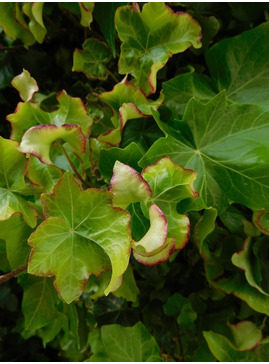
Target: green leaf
261,221
38,139
150,37
34,12
128,186
203,228
91,59
236,67
128,290
128,103
12,183
82,235
10,21
86,9
15,232
246,335
170,183
71,111
39,300
179,306
25,84
180,89
228,148
43,175
104,14
157,256
122,343
129,155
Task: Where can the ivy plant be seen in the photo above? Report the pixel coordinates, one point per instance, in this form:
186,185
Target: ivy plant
134,183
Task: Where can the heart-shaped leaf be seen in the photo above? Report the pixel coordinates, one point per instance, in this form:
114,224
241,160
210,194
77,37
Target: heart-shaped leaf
82,235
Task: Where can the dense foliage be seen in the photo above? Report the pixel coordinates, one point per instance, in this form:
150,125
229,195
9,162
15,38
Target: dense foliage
134,181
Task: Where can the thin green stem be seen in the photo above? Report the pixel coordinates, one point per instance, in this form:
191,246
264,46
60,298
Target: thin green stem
73,167
8,276
112,75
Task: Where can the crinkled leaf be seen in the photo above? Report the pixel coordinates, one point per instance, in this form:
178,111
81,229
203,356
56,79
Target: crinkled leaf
39,300
43,175
38,139
12,184
10,21
122,343
157,256
150,37
71,111
129,155
34,11
128,103
128,186
228,148
82,235
25,84
170,183
91,59
16,232
261,221
156,235
86,9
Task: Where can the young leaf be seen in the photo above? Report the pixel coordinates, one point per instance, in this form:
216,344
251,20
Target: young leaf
71,111
150,37
25,84
86,9
261,221
157,256
12,183
91,59
128,186
34,12
82,235
227,147
170,183
38,139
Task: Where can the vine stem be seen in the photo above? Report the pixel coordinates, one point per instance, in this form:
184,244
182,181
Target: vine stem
7,276
11,48
112,75
73,167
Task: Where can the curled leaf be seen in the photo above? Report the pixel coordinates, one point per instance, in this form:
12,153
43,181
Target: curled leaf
25,84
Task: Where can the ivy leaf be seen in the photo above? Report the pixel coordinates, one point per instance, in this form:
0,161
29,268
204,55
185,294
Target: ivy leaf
43,175
120,343
82,235
104,14
86,9
235,67
261,221
170,183
150,37
16,232
71,111
12,183
128,186
129,155
10,21
38,139
25,84
36,25
128,103
228,148
91,59
39,300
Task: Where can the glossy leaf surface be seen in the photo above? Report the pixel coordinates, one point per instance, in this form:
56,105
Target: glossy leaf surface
227,147
82,235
